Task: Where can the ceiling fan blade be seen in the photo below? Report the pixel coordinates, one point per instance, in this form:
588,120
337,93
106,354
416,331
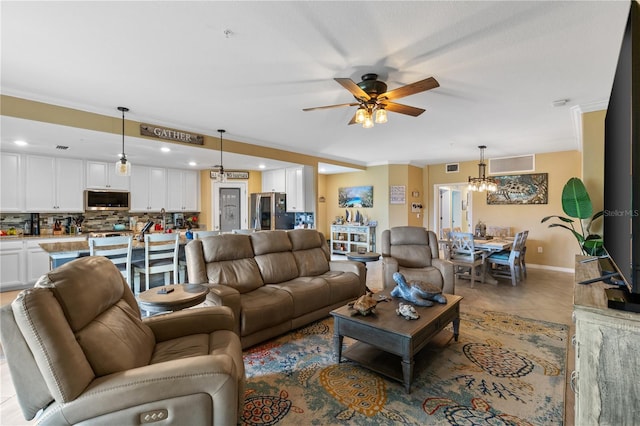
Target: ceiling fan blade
410,89
352,87
403,109
331,106
353,120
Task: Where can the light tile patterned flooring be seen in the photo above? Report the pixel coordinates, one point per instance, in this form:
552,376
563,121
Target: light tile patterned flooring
544,295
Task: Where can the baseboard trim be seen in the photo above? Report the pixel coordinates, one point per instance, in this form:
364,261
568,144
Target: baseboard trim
550,268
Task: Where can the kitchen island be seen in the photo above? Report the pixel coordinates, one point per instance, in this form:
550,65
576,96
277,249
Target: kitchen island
61,252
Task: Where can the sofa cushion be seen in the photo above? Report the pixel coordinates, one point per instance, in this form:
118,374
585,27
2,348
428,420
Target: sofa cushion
242,274
226,247
182,347
342,286
264,307
307,250
270,242
412,256
116,340
273,255
308,293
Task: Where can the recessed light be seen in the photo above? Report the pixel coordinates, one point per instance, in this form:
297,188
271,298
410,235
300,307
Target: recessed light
193,163
165,149
262,166
20,143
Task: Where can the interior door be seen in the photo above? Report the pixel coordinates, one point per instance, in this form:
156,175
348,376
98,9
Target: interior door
445,210
229,206
229,209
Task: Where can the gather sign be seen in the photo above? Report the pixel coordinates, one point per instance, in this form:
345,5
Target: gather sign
171,134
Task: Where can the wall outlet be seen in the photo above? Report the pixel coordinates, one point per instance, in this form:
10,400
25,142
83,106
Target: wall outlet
539,249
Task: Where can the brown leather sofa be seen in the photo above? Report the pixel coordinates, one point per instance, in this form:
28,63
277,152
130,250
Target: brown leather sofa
274,281
413,251
78,350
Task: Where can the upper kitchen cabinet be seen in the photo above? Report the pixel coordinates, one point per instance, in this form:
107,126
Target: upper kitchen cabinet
148,189
299,189
53,184
274,181
183,190
102,175
11,193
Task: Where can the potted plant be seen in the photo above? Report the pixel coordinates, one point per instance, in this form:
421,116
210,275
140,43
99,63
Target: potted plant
577,205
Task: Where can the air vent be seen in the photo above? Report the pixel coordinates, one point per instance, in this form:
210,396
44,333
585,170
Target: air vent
62,147
452,168
523,163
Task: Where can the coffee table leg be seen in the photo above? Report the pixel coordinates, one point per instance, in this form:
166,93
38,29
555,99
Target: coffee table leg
456,328
407,372
337,343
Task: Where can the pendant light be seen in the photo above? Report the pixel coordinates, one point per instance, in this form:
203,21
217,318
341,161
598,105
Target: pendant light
123,167
482,182
222,177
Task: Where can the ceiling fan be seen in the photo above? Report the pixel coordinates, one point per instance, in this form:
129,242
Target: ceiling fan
374,101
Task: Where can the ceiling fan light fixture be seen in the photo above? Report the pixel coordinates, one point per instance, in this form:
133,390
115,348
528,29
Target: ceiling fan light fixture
368,121
123,167
381,116
361,113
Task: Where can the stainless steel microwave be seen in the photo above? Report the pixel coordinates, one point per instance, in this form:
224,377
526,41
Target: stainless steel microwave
95,200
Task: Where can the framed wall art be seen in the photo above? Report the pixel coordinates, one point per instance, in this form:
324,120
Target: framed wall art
355,196
520,189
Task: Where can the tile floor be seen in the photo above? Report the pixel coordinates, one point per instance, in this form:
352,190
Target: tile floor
544,295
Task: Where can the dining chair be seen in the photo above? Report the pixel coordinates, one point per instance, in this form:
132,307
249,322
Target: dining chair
464,255
160,256
499,231
507,263
523,252
117,250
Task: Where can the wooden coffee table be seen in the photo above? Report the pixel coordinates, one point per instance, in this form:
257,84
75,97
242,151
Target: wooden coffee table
387,343
183,296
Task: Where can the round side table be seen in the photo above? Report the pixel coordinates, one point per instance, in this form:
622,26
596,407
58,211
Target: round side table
183,296
364,257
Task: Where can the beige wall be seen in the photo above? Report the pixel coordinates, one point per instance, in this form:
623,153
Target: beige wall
559,246
593,160
378,177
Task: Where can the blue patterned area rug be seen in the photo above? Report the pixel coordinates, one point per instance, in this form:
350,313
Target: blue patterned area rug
503,370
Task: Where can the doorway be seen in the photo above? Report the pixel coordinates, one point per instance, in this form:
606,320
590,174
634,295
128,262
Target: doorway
229,206
452,208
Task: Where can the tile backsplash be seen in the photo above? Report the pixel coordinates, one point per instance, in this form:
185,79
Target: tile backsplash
93,221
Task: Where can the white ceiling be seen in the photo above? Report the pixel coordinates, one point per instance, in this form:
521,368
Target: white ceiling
500,66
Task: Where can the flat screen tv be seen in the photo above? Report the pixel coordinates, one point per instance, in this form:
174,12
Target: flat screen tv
621,231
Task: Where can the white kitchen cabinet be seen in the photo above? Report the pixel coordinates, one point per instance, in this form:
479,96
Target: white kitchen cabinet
102,175
37,260
148,189
299,189
11,192
183,190
12,265
274,181
53,184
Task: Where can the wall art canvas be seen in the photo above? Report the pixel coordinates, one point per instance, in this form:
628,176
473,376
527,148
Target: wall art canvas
355,196
520,189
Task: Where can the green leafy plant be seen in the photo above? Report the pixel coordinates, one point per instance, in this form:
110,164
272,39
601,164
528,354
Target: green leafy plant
577,205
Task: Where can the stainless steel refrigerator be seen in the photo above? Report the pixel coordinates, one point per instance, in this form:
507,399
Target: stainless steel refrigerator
269,211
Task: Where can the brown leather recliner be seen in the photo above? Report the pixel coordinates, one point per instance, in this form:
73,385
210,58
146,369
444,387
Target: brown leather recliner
78,350
413,251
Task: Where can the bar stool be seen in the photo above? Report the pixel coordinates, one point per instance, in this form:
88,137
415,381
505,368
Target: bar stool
117,250
160,256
